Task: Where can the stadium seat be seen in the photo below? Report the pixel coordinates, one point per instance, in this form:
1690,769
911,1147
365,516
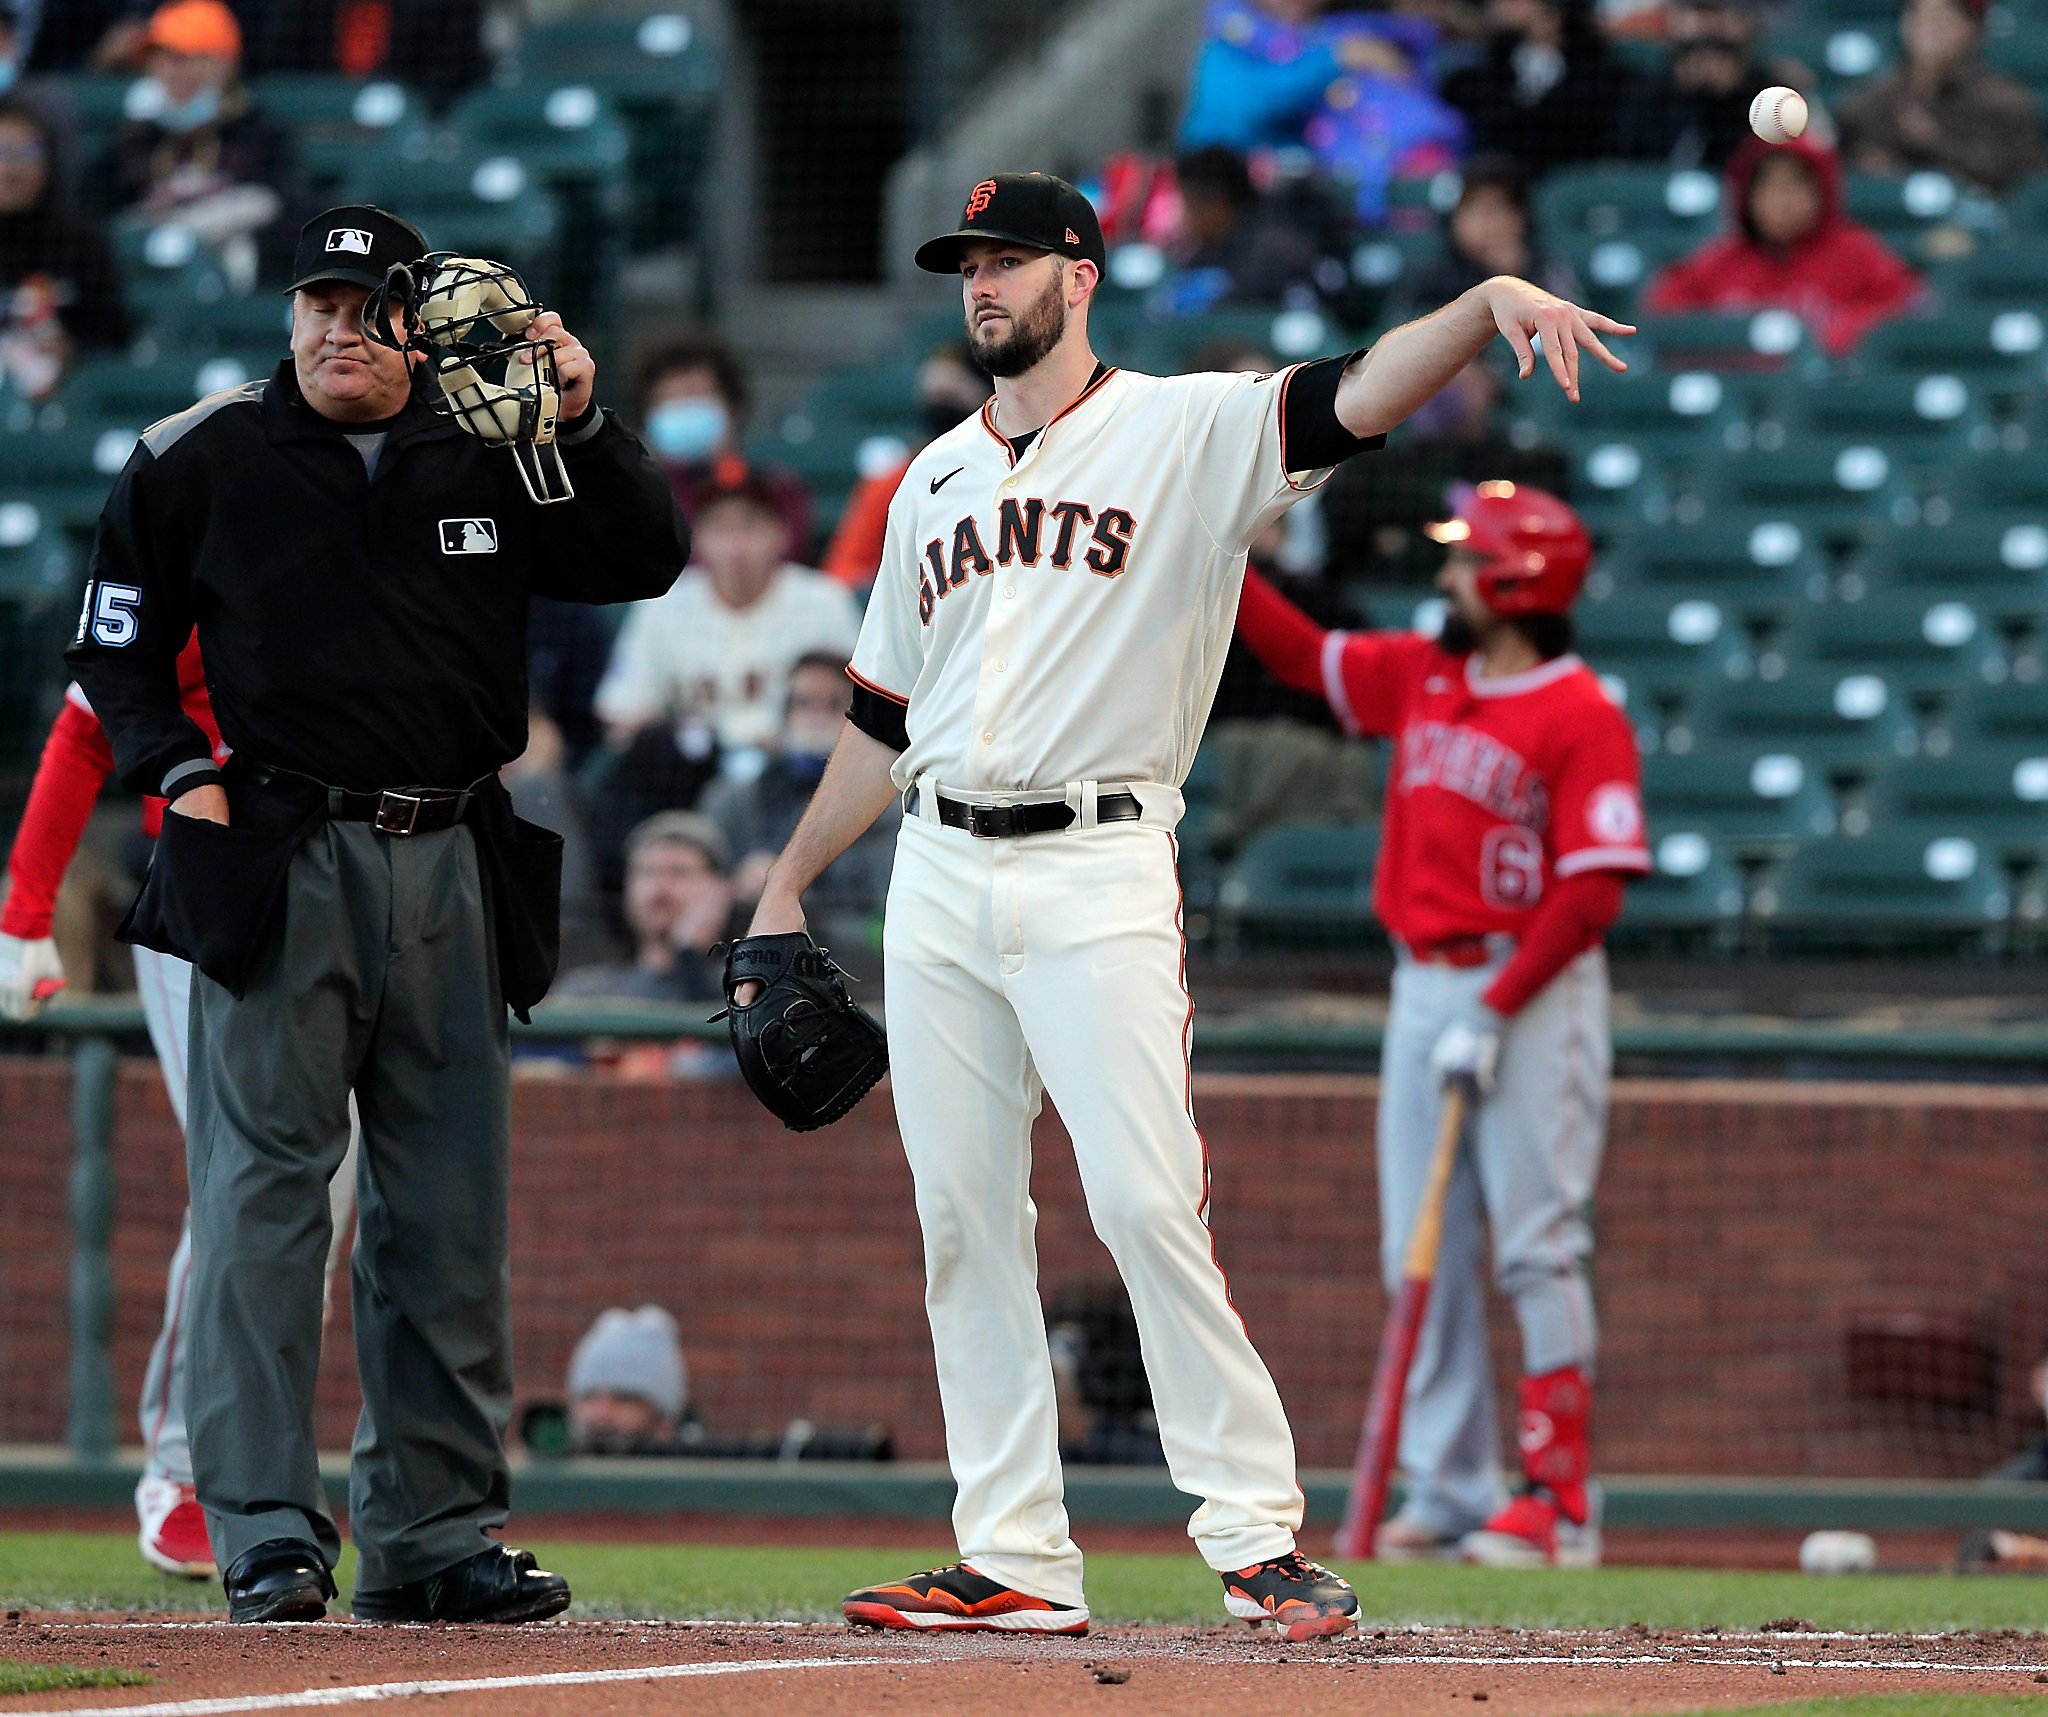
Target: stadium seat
2016,713
1902,891
1613,200
2008,478
1753,564
1765,342
1671,419
1648,638
1918,645
1923,418
1903,209
1741,799
1996,560
1855,721
495,207
1995,348
338,120
1996,793
1835,486
1301,884
1696,887
36,563
2007,273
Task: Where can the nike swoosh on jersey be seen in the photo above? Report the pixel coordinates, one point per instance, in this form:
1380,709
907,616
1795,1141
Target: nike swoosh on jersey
939,483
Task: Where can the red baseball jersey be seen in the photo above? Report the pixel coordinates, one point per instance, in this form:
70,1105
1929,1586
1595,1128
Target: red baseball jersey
1496,786
76,761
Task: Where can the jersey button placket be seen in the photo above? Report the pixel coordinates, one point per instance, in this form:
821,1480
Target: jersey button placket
998,627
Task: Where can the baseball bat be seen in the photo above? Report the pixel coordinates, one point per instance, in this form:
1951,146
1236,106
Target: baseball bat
1380,1438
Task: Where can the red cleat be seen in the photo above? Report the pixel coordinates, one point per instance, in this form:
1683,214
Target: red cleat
173,1535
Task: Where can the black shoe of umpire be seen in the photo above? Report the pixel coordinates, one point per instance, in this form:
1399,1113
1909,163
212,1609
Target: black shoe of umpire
283,1580
494,1585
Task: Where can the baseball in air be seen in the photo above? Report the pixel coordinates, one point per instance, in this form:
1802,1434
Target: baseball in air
1778,114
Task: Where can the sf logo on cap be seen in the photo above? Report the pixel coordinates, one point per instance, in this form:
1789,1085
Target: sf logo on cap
349,238
980,197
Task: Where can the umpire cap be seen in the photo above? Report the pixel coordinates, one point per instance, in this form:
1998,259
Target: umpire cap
357,242
1036,209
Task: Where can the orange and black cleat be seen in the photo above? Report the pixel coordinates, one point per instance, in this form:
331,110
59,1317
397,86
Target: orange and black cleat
1303,1599
959,1599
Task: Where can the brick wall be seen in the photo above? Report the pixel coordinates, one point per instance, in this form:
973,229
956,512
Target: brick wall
1742,1225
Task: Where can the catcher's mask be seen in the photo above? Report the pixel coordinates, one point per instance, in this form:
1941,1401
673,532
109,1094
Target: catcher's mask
466,317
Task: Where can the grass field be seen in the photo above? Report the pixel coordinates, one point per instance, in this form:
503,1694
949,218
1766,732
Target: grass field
18,1677
101,1571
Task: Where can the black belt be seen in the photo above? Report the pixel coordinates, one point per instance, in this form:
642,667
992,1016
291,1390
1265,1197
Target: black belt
391,810
1042,817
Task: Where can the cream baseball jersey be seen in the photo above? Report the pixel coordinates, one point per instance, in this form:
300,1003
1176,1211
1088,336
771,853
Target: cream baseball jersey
1062,614
1495,786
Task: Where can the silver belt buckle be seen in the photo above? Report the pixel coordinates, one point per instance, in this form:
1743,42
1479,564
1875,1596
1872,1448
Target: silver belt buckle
387,820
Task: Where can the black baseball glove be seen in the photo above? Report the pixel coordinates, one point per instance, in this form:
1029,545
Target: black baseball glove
809,1052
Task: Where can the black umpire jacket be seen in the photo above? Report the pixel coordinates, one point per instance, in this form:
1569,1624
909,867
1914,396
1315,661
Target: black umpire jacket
365,632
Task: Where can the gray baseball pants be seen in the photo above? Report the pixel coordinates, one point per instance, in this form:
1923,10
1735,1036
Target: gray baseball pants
1526,1173
382,978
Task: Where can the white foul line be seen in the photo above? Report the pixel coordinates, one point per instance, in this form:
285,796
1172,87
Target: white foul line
380,1690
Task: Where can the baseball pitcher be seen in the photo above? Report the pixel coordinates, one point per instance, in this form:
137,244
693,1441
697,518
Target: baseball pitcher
1036,664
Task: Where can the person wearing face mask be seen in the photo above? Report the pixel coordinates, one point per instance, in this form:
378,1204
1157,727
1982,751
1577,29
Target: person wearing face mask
759,815
59,287
950,390
205,158
694,397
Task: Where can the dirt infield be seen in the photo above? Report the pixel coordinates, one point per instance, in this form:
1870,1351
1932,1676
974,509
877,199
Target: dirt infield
585,1669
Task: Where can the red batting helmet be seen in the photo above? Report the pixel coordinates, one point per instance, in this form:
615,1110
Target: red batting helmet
1533,549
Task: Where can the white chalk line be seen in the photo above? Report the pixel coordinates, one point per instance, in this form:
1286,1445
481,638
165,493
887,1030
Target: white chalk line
373,1692
377,1692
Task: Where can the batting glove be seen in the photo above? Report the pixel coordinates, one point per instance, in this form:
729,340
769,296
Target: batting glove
30,974
1468,1051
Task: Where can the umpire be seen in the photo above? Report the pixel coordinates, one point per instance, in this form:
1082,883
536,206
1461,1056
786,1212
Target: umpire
361,904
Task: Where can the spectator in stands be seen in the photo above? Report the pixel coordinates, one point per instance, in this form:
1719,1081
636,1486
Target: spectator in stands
207,159
1944,107
628,1384
1547,89
16,42
1488,233
721,643
59,289
678,902
951,387
431,45
1234,247
1375,517
1105,1401
1355,86
758,814
1694,111
694,398
1793,248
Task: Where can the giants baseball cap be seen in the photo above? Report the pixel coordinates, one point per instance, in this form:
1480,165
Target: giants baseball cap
357,242
1035,209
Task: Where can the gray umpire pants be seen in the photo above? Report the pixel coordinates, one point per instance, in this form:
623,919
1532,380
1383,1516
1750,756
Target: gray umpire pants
1526,1171
383,979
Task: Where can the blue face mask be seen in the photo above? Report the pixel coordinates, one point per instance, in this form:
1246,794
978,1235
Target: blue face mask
688,429
202,109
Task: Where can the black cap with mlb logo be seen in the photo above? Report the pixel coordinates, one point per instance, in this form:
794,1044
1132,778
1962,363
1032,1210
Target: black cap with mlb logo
357,242
1036,209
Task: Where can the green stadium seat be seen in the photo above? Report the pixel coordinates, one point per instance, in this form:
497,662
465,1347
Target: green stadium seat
1301,883
2022,54
1855,721
1919,646
1617,267
1696,887
337,120
2008,478
1998,561
1906,890
1904,210
495,207
1615,200
64,449
1995,793
1995,348
2007,273
36,562
1754,564
1922,418
2016,713
1741,799
142,389
1835,486
1843,53
1760,343
1674,419
1648,637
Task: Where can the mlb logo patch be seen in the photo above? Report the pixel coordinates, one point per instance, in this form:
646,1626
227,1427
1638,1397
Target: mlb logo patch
350,239
469,536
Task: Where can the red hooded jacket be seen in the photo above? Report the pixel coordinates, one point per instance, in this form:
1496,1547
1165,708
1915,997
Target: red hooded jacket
1841,280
